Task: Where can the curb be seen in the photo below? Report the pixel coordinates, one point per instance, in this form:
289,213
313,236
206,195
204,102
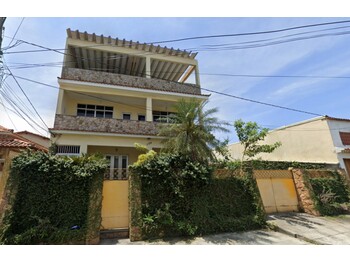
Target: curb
283,231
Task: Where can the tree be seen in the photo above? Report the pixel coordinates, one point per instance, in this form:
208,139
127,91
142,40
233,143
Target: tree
249,135
190,131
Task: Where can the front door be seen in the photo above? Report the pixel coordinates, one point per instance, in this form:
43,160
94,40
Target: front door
115,203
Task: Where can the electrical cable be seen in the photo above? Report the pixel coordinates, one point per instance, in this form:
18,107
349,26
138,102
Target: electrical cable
250,33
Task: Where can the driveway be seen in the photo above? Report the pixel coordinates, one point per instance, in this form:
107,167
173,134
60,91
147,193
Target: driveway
317,230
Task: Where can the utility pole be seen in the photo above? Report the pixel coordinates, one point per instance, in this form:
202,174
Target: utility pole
2,28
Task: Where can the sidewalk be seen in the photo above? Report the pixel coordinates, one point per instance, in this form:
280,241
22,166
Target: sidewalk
317,230
257,237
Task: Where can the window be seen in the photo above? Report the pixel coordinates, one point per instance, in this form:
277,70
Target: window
141,117
126,116
162,116
345,137
97,111
69,150
117,167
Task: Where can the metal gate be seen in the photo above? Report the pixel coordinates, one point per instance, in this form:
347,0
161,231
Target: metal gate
115,204
277,190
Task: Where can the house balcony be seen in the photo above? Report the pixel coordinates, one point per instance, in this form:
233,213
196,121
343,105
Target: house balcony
105,125
101,77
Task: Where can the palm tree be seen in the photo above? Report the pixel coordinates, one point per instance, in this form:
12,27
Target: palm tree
189,131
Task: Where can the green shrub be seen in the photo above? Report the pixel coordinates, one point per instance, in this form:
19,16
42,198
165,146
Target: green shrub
50,196
268,165
180,197
329,194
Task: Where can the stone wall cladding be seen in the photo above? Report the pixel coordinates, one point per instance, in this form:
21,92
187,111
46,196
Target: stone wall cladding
89,124
304,195
128,81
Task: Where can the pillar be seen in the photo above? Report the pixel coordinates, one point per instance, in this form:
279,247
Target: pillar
148,67
149,114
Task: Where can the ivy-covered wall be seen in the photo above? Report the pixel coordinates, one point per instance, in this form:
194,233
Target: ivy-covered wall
271,165
179,197
53,200
329,191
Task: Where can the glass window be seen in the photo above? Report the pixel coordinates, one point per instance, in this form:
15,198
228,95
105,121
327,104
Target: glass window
126,116
162,116
98,111
141,117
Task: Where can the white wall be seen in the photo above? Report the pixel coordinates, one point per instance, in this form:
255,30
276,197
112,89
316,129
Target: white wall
335,127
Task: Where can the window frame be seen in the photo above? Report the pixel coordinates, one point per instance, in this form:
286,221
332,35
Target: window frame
126,113
68,151
94,111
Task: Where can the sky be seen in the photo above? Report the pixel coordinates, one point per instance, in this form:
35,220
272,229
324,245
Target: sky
261,66
46,22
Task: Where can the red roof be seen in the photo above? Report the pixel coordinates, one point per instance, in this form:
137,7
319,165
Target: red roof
15,143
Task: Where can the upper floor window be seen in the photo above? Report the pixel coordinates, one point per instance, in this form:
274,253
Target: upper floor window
97,111
126,116
141,117
345,137
162,116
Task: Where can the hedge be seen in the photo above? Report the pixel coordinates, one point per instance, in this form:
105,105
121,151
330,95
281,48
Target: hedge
52,199
180,197
330,194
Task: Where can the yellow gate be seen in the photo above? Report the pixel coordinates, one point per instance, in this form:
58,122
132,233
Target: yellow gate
115,204
277,190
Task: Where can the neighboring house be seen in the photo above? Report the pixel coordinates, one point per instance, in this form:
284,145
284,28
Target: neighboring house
38,139
114,93
11,144
318,140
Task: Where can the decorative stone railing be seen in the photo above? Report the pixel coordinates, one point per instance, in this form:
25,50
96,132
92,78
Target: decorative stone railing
90,124
128,81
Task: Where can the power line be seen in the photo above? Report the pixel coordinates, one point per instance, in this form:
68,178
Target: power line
18,110
235,47
217,92
250,33
8,115
27,98
16,31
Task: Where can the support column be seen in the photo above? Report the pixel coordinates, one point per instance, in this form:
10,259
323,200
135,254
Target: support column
198,83
59,108
149,114
83,149
148,67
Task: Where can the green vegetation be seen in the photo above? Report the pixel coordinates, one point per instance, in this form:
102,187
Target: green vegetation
249,135
189,131
180,197
268,165
53,200
331,194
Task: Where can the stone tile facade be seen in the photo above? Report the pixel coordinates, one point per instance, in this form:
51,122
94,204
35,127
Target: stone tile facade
90,124
304,195
128,81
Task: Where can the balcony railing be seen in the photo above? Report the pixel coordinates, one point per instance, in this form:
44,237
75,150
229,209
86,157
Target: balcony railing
128,81
105,125
116,174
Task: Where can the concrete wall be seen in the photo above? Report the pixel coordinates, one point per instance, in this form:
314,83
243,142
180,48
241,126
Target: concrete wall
335,127
70,104
305,142
88,140
37,139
